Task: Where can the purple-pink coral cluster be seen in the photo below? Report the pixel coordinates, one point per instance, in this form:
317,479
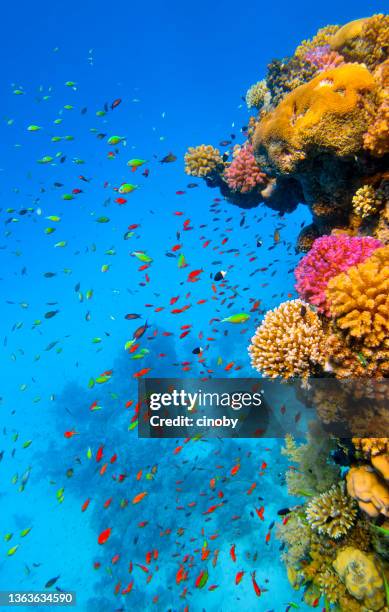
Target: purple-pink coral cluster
324,58
244,174
328,257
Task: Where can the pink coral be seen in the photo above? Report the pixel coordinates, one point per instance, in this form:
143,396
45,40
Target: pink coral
244,174
324,58
330,256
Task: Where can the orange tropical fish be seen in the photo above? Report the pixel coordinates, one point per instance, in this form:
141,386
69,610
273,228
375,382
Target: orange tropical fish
251,489
235,469
70,434
115,559
255,585
104,536
141,372
139,475
107,502
99,454
128,588
268,535
103,469
148,557
85,505
139,497
239,577
232,553
143,568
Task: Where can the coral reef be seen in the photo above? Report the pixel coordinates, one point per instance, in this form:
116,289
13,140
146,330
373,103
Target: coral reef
362,578
332,513
376,139
372,446
324,58
321,38
359,300
289,342
244,174
328,257
202,160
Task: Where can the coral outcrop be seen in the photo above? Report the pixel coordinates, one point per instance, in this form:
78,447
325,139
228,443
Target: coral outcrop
202,160
244,174
332,513
361,577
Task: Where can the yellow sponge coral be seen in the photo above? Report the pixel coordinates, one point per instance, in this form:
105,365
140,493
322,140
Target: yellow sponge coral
359,300
370,491
289,342
202,160
362,578
326,114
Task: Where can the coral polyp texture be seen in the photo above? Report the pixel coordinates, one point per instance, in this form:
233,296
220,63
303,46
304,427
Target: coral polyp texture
328,257
367,201
361,577
332,513
359,300
325,115
202,160
290,342
244,174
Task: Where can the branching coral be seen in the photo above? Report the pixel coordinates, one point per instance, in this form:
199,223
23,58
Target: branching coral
296,535
326,114
370,491
359,300
258,95
289,342
202,160
283,76
367,201
332,513
328,257
244,174
362,578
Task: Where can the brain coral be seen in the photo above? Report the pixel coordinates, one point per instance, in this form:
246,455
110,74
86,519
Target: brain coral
328,257
289,342
332,513
202,160
359,300
326,114
362,578
244,174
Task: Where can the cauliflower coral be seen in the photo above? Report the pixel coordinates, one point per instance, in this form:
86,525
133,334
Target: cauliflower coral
290,342
332,513
359,300
202,160
244,174
367,201
328,257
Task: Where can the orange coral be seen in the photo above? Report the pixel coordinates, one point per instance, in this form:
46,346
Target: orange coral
371,493
376,139
289,342
347,33
321,38
328,113
372,446
202,160
359,300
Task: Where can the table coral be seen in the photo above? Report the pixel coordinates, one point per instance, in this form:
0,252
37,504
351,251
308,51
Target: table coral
244,174
369,490
361,576
326,114
203,160
359,300
289,342
332,513
328,257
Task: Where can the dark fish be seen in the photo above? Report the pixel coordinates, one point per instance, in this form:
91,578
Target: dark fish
50,314
242,221
51,345
170,157
138,333
84,110
116,103
56,184
51,582
219,275
69,472
224,143
131,316
259,243
192,185
77,287
283,511
62,159
303,311
197,350
101,136
49,274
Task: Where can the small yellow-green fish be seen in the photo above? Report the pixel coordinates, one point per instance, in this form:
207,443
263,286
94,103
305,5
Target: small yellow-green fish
12,550
25,532
47,159
15,478
114,140
69,137
68,107
102,220
110,252
18,92
58,121
241,317
105,268
100,113
89,453
181,261
27,443
136,163
133,425
56,139
49,230
96,340
102,379
89,294
8,537
61,244
142,256
54,218
68,196
91,383
70,83
60,495
33,128
127,188
129,344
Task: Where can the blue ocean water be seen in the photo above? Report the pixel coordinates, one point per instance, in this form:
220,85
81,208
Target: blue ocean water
180,72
